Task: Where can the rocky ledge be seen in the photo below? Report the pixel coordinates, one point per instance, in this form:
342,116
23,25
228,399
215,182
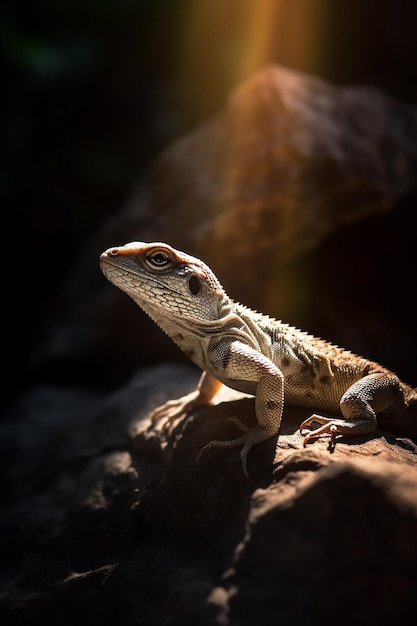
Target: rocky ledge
112,520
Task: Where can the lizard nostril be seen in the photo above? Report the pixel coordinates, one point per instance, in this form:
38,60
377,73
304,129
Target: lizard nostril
113,252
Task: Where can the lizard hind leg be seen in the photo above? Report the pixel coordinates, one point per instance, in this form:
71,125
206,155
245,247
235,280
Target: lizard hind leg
358,419
359,406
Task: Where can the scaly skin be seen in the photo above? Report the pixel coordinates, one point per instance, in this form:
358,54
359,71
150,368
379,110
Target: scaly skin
256,354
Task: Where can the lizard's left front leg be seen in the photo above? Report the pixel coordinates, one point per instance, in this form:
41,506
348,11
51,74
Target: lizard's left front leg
243,364
359,406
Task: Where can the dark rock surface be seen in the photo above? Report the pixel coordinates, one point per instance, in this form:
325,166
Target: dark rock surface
111,521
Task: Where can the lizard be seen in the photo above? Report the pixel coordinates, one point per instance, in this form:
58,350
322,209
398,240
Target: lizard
255,354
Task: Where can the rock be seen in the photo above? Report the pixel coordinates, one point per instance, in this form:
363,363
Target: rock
112,520
289,161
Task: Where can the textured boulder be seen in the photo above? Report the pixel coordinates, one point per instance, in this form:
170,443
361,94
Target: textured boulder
111,520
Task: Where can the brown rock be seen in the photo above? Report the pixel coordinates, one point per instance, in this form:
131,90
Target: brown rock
112,521
290,159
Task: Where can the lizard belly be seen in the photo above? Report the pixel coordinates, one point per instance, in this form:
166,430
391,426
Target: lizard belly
312,398
323,393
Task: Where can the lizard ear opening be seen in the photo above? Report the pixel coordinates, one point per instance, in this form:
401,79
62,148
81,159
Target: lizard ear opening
194,284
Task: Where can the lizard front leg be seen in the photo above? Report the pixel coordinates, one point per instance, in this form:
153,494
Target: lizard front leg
359,406
172,410
252,367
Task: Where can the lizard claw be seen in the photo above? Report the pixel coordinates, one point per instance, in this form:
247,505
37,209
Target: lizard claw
250,438
237,422
329,427
226,444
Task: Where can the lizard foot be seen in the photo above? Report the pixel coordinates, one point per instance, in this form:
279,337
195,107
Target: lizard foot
250,438
329,427
228,443
173,410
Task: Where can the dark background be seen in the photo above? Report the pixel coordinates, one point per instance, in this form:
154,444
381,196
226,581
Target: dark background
93,90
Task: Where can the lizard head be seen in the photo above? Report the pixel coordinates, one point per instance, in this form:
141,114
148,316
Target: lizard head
164,282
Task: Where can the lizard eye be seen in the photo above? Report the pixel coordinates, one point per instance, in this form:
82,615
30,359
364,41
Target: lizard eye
158,260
